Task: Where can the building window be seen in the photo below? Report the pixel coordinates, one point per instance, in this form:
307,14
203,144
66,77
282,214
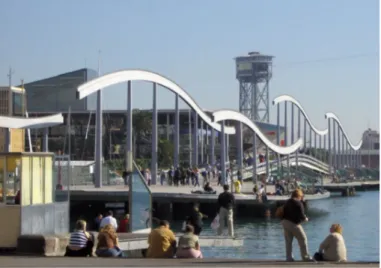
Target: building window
376,146
17,103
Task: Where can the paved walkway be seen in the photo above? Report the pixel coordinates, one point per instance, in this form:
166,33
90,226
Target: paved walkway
14,261
247,187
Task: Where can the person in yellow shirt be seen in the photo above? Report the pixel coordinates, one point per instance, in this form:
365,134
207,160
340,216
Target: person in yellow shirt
161,242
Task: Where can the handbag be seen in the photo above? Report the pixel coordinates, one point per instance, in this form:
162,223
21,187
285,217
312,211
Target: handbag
215,223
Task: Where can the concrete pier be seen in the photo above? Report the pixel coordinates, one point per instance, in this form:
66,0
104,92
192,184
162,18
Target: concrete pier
173,203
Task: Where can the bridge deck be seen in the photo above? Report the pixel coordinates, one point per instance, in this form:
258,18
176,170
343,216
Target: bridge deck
179,193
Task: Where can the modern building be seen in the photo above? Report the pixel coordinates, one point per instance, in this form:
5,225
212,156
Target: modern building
56,94
370,149
12,103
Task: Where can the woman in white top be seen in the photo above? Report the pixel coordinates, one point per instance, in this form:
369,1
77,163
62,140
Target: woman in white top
333,247
148,176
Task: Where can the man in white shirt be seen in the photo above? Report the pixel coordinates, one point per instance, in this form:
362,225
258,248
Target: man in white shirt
109,219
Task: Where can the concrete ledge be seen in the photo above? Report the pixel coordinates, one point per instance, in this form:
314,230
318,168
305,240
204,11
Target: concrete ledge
39,245
14,261
142,243
42,245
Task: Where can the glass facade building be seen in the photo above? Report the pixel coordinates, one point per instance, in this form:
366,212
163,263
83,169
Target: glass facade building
58,93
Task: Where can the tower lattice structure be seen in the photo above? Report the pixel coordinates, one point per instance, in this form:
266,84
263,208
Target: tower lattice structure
254,73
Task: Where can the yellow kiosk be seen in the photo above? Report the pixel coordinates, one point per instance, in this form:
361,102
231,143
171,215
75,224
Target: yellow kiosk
29,177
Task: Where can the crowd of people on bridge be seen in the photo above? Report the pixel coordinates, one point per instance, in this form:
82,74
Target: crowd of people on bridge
190,176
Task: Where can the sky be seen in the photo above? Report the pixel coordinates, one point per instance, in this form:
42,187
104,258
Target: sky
326,53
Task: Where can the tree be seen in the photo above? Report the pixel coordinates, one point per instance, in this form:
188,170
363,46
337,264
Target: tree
141,127
165,150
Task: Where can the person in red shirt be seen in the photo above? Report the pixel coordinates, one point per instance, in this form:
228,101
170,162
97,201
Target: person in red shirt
123,225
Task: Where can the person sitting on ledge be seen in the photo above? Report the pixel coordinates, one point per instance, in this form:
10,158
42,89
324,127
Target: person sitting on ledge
333,247
81,242
189,246
208,188
108,245
161,242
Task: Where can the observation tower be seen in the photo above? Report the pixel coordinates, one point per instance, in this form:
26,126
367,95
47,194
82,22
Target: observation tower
254,73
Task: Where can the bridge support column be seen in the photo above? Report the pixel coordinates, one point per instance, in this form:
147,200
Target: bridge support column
239,145
227,147
357,159
154,136
347,160
298,135
329,145
286,137
212,145
177,132
334,147
351,158
207,145
128,152
98,141
267,162
46,140
277,140
195,140
223,153
305,135
255,158
321,149
190,137
338,147
315,145
202,142
292,124
310,149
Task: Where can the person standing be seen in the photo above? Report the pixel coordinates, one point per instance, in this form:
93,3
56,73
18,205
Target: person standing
195,219
97,221
148,177
226,202
109,219
292,219
162,177
124,224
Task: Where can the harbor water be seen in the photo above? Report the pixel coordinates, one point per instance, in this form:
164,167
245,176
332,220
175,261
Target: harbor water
263,239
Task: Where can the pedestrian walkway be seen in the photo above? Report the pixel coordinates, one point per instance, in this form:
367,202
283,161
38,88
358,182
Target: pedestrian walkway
16,261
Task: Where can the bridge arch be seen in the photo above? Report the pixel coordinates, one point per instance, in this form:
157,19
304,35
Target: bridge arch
221,115
117,77
285,98
38,122
335,118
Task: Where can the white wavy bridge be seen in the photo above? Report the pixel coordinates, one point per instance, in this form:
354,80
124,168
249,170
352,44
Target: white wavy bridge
306,161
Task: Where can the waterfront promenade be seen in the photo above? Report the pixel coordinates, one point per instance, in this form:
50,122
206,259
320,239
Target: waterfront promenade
19,261
177,193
